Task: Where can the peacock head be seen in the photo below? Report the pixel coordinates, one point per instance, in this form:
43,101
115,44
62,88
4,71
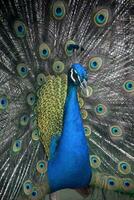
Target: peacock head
78,76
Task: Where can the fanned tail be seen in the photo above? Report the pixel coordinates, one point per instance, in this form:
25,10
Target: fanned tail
35,39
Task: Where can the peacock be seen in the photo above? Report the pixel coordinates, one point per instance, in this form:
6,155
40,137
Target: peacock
66,98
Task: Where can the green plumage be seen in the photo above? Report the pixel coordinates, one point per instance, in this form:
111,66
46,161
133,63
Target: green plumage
50,105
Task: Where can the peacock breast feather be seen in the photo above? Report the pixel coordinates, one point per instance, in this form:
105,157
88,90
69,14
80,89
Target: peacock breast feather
50,107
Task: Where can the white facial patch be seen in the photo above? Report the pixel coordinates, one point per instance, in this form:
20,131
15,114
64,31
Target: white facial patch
72,76
79,79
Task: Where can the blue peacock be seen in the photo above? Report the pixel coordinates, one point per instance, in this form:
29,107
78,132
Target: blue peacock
66,98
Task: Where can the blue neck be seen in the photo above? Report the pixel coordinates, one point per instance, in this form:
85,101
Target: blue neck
72,121
70,167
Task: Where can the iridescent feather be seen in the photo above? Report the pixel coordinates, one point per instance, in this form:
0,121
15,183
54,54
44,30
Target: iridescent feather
35,56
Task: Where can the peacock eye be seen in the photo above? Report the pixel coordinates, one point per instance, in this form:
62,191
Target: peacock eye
124,167
94,63
35,135
22,70
101,18
84,114
20,29
68,48
41,166
3,103
33,122
34,193
59,10
115,131
100,109
44,51
31,99
41,79
81,102
24,119
17,146
95,161
112,182
87,130
58,67
127,184
87,94
27,187
129,86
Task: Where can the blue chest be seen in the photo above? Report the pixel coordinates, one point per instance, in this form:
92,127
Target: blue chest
70,167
